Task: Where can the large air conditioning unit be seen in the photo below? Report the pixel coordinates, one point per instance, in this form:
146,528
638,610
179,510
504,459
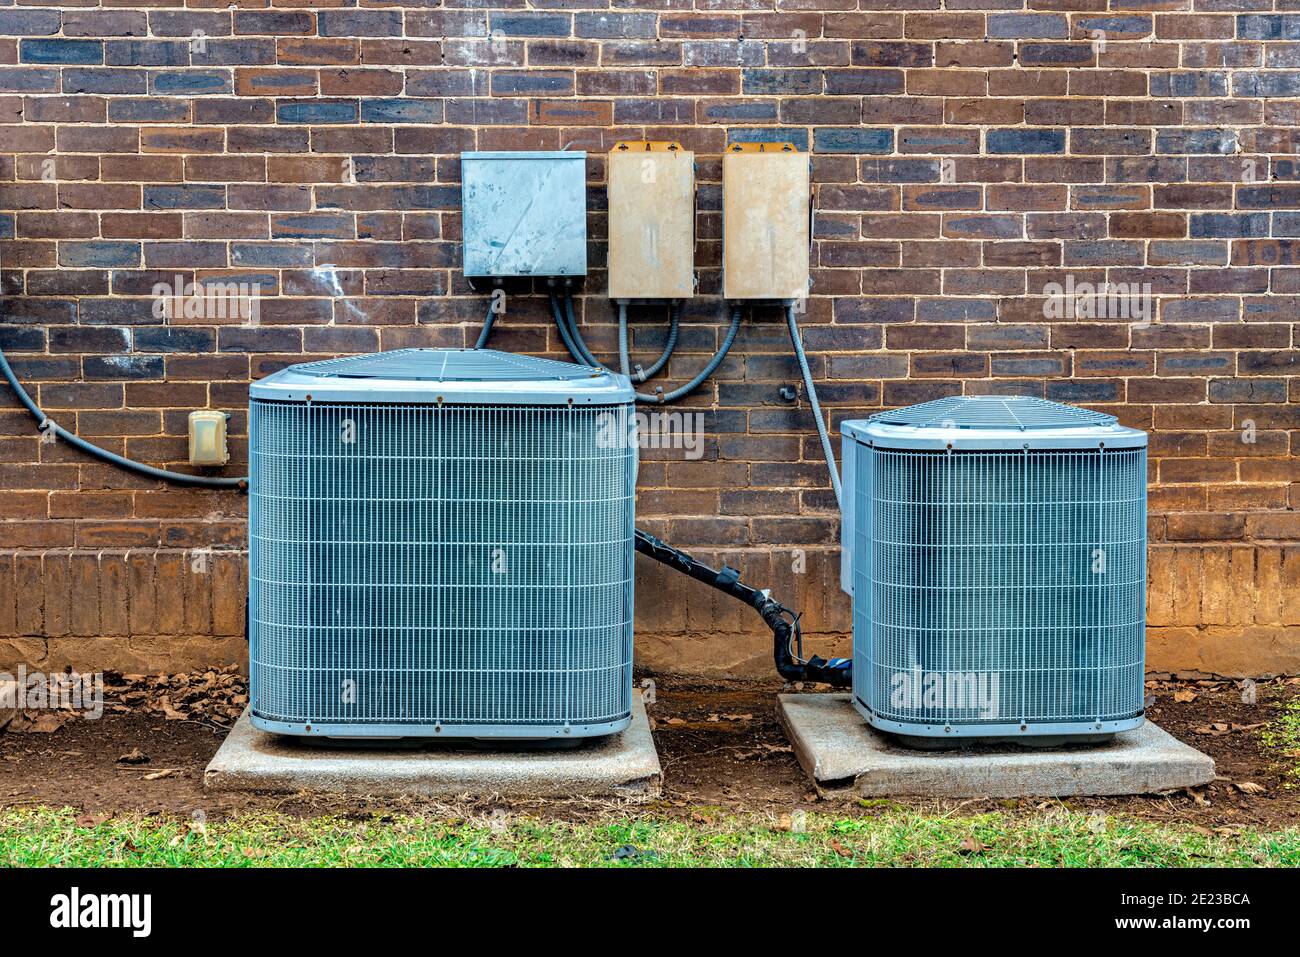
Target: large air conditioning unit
995,551
441,544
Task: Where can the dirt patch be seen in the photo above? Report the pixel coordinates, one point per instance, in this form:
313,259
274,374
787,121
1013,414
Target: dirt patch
719,743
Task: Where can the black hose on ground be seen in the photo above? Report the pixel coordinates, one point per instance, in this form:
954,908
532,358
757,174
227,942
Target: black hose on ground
783,622
48,425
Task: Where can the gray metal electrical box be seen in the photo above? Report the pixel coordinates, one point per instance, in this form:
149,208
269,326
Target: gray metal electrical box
524,214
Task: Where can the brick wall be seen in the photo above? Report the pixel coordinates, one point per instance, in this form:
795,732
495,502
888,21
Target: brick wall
964,159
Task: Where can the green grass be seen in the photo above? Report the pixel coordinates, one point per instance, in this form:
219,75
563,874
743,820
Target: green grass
895,836
1282,734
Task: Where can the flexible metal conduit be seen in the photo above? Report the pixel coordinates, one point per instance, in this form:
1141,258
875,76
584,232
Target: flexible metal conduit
130,465
624,362
573,341
811,389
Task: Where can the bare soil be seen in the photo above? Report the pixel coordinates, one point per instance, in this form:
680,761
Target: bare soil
719,743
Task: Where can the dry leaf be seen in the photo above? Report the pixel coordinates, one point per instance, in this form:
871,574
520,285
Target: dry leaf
164,773
1217,728
1184,695
91,819
134,756
46,722
972,845
1250,787
840,849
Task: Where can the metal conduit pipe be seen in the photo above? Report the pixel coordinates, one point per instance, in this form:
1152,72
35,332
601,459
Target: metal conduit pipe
810,388
624,362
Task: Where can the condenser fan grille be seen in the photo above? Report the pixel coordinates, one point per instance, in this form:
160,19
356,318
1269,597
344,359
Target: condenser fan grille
1000,587
439,566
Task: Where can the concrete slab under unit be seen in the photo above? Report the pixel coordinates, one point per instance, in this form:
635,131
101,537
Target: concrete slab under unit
623,765
848,759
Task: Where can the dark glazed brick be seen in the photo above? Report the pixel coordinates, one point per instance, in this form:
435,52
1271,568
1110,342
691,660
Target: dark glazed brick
530,24
359,23
1025,141
841,140
61,51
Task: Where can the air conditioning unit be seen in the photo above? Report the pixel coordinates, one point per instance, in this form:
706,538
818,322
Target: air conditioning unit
995,551
441,544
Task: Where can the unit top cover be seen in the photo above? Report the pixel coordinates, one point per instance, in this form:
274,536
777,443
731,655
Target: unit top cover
991,422
444,375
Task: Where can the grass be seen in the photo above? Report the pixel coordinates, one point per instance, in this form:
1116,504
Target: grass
1282,734
890,837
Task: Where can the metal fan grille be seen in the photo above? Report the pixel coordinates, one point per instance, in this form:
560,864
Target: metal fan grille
1022,412
429,565
1002,587
445,365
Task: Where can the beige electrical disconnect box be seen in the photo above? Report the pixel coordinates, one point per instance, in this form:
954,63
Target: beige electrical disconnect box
208,437
651,221
765,221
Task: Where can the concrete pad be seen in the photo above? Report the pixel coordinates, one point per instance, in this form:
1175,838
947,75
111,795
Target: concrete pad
622,765
846,758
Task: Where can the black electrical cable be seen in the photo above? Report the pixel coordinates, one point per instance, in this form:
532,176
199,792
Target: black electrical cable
577,346
578,349
783,622
139,468
560,324
486,331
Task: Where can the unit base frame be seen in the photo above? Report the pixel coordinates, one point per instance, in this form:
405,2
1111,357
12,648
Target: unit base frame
1002,732
498,732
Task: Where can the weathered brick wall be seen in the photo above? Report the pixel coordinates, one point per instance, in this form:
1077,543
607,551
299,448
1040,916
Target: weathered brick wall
964,159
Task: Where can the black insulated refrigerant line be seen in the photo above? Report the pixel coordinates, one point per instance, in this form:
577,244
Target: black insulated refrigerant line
787,640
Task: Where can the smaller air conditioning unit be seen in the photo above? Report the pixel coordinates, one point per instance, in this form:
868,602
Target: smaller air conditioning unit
441,544
995,551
